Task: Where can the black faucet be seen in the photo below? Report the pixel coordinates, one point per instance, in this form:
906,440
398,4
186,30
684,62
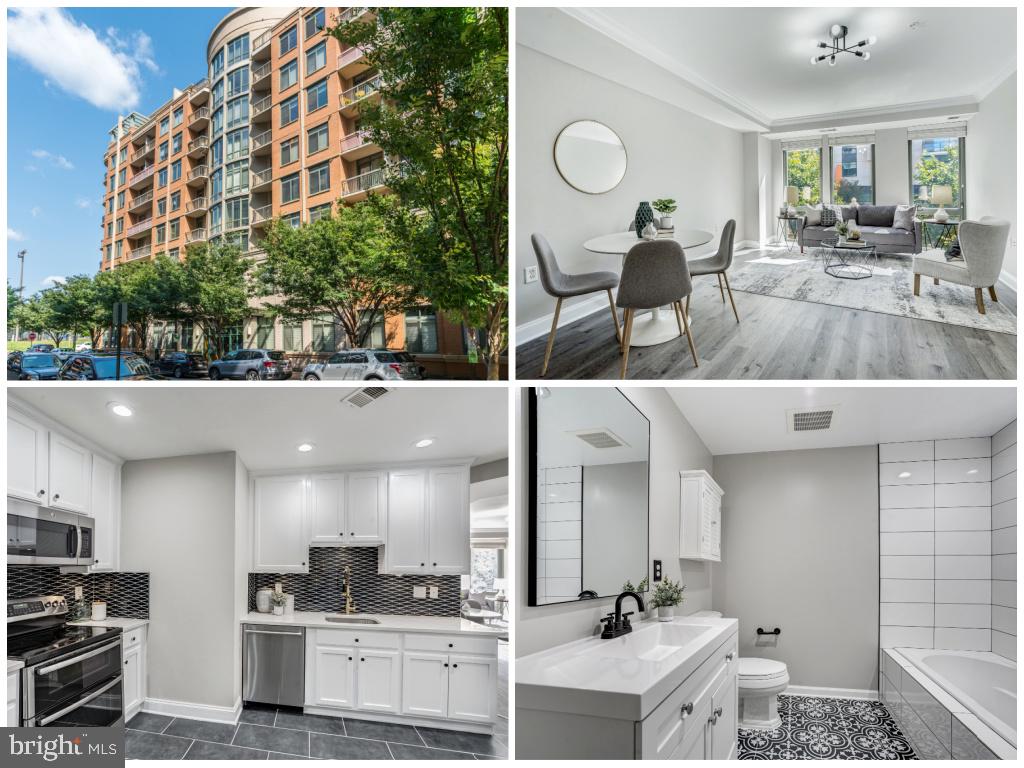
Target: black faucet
617,624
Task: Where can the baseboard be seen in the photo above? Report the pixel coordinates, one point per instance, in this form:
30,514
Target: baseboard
534,329
744,244
384,717
832,693
194,711
1008,283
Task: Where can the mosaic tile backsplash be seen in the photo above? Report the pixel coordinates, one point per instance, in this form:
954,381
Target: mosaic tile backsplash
126,594
322,588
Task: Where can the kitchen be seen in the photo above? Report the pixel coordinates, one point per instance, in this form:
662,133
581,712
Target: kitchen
237,574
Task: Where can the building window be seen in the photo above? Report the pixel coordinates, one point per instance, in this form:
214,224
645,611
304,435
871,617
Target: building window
124,154
161,233
375,339
803,171
176,144
238,49
292,333
175,228
122,176
161,177
163,152
176,170
314,22
119,248
216,185
113,179
216,220
316,58
236,178
320,178
264,332
290,110
421,330
217,121
853,173
231,338
290,151
110,205
120,225
319,212
173,253
238,144
161,206
165,125
217,65
238,239
217,153
937,162
290,188
237,213
293,220
109,253
317,139
110,230
175,201
289,74
120,200
238,81
316,96
179,116
325,333
238,112
185,339
218,93
288,40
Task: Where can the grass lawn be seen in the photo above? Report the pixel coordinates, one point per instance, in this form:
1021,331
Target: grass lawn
21,346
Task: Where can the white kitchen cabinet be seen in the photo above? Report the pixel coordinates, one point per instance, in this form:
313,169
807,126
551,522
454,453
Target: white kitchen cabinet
327,510
472,682
366,507
425,684
281,525
105,509
333,679
448,520
13,697
700,517
133,654
427,521
378,680
407,543
70,473
27,458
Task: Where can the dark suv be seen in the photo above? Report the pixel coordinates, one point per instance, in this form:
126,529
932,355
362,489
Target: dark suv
252,364
102,366
180,365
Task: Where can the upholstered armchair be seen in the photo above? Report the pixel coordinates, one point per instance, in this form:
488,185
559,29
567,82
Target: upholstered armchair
983,245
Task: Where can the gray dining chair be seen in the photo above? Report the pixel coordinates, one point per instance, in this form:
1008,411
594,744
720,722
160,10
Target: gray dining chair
983,245
632,225
562,286
718,264
654,275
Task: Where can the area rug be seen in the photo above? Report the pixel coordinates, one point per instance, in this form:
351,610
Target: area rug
890,290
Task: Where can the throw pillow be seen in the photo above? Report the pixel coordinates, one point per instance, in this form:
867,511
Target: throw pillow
904,217
876,215
849,212
828,216
813,217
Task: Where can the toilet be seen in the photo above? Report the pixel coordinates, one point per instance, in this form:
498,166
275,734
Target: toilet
760,682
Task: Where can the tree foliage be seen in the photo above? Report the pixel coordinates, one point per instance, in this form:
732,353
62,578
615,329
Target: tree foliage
932,169
803,169
212,290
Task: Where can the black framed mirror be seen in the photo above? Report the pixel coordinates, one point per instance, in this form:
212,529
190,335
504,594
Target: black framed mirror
589,479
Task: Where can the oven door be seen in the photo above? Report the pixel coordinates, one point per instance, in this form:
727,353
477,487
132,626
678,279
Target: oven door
101,707
41,536
51,686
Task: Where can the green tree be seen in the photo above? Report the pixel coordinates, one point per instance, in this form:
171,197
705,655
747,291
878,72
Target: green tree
803,169
213,291
13,300
444,113
77,308
349,265
38,313
931,170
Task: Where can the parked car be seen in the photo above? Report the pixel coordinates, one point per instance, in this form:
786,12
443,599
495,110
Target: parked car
64,354
14,360
38,366
102,366
180,365
365,365
252,364
41,348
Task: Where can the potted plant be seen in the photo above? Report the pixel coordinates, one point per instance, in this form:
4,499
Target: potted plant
842,229
278,601
666,207
667,595
641,588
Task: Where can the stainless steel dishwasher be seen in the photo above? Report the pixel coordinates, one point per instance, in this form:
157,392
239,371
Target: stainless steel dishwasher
274,664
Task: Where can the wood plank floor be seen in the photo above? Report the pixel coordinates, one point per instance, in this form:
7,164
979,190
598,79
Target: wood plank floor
779,339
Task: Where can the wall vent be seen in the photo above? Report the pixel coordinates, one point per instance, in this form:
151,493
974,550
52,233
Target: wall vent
363,397
810,419
600,437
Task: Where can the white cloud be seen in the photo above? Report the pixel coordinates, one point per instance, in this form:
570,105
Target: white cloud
51,280
53,158
68,54
82,202
13,234
36,210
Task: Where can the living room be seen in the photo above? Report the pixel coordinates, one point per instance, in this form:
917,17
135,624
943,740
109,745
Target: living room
746,135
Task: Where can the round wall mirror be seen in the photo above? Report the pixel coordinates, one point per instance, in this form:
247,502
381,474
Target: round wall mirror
590,157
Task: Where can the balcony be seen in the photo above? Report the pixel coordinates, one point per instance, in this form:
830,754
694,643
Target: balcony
144,132
260,47
198,176
199,147
354,96
142,252
200,93
352,62
141,177
195,236
262,216
261,143
351,14
199,119
260,180
357,145
137,230
141,201
146,151
260,109
196,207
357,187
260,76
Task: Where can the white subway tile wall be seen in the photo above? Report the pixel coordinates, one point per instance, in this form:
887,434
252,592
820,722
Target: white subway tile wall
559,533
936,544
1004,541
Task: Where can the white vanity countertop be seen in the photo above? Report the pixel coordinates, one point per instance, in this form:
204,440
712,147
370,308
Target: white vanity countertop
126,625
14,666
605,678
444,625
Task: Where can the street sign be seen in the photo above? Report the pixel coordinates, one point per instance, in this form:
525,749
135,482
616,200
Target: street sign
120,313
32,336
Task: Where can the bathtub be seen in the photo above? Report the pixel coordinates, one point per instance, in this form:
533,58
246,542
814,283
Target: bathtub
971,690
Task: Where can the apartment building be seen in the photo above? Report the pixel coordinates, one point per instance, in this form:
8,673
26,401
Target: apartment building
272,132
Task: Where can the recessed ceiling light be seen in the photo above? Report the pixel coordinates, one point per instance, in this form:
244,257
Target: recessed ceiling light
424,442
305,447
120,409
972,471
903,475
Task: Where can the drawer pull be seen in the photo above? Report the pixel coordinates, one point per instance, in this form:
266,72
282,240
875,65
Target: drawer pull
730,656
715,715
686,709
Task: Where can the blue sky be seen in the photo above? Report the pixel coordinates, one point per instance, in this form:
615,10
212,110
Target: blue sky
70,72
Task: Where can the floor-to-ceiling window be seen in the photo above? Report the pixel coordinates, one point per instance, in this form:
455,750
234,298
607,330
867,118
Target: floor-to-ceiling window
801,163
937,160
852,163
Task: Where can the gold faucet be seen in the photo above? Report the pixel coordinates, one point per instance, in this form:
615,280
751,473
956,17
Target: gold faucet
350,606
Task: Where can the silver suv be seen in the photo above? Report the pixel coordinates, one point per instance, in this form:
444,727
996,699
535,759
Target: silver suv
251,364
365,365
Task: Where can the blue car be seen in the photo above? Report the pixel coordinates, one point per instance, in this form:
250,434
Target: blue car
37,366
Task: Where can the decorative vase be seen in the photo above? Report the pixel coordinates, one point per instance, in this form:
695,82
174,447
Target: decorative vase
941,216
650,231
644,216
666,612
666,222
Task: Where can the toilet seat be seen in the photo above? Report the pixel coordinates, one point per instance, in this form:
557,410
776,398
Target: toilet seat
756,674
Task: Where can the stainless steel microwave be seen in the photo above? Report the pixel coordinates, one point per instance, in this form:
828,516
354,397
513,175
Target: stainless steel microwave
43,536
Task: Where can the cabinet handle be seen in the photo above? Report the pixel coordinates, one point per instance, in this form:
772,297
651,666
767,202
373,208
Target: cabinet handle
353,533
730,656
41,493
715,715
455,666
446,664
422,564
686,709
362,659
435,565
357,639
303,563
350,658
56,496
451,645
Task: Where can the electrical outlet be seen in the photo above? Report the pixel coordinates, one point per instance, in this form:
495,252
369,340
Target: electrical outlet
530,274
419,593
657,570
78,593
433,591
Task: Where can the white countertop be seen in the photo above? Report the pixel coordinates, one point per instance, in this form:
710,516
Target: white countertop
14,666
126,625
443,625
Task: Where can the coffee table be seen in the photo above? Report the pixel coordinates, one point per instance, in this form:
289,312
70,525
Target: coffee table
849,262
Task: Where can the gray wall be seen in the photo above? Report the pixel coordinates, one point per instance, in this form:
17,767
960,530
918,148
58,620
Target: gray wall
1004,541
800,551
674,447
613,526
178,523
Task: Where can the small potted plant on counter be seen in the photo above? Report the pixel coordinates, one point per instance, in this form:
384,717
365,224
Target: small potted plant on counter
641,588
666,207
667,595
278,600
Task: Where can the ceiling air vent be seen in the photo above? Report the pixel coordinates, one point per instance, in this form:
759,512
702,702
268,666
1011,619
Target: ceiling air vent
600,437
363,397
810,419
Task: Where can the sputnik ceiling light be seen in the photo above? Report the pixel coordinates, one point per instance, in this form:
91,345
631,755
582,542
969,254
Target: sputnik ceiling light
838,45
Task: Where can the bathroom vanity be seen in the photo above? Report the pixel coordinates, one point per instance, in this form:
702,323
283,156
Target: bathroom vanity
667,690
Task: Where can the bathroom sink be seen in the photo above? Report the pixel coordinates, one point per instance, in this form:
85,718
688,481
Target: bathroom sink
351,620
651,643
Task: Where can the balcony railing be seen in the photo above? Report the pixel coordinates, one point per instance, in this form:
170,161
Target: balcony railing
198,205
195,236
364,182
261,140
359,92
260,71
201,115
139,253
140,200
199,92
147,149
261,178
199,172
355,140
261,106
260,41
351,14
352,55
142,175
199,146
143,226
262,215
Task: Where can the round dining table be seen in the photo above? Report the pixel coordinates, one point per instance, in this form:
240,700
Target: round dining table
656,327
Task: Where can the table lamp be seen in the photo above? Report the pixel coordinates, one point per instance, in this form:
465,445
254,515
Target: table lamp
942,194
792,196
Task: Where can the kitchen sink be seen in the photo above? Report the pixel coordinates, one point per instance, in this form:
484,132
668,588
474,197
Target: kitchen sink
351,620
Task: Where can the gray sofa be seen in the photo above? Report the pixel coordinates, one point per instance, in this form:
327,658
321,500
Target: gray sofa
875,222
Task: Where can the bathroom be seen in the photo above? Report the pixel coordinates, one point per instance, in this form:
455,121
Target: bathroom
846,558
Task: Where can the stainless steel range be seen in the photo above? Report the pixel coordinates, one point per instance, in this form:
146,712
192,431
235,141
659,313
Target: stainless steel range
72,675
